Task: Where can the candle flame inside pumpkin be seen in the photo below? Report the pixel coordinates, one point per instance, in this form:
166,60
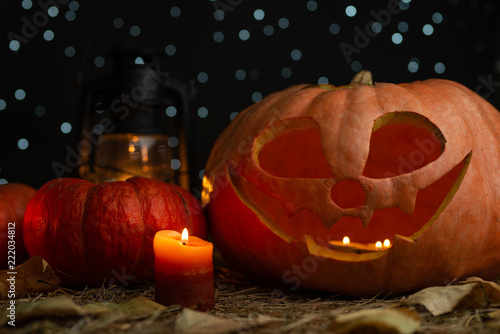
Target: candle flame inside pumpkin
184,236
387,243
208,187
378,245
346,240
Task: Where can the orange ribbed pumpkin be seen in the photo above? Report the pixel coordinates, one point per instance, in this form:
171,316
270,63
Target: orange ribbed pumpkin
415,163
92,234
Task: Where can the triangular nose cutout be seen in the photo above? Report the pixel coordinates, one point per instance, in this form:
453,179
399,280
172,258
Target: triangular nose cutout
348,194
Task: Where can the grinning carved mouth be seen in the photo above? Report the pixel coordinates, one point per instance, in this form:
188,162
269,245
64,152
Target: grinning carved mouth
305,183
385,223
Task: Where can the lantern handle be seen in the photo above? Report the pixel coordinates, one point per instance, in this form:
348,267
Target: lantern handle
90,91
185,92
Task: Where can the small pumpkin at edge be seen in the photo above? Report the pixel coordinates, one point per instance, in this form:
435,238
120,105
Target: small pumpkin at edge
13,200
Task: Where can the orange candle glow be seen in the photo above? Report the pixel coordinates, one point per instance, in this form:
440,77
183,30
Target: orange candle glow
346,245
387,243
183,270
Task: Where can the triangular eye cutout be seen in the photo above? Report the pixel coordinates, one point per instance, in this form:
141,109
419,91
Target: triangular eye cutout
402,142
292,149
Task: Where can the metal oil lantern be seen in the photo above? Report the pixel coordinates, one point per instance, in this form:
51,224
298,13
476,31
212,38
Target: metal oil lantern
136,122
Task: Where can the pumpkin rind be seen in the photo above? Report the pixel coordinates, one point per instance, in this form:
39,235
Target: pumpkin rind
459,240
13,200
90,233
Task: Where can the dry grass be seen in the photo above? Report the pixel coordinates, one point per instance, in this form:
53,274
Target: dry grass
240,298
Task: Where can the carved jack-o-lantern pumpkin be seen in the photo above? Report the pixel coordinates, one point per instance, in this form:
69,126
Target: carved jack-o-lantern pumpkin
417,164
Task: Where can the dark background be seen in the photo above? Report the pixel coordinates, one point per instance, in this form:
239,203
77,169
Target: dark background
465,41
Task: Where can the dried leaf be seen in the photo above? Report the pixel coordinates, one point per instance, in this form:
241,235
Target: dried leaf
377,321
262,319
304,320
34,275
98,309
138,308
59,307
494,314
195,322
473,293
42,326
102,314
103,322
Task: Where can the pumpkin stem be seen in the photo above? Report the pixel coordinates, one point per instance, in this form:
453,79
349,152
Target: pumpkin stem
363,77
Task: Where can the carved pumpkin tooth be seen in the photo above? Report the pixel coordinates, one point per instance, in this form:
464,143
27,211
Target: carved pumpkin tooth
366,217
329,216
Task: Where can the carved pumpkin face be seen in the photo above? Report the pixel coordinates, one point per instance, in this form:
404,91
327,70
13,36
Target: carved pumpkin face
417,164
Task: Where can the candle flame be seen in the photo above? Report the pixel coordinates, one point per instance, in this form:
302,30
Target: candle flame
207,189
346,240
378,244
184,236
132,145
387,243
